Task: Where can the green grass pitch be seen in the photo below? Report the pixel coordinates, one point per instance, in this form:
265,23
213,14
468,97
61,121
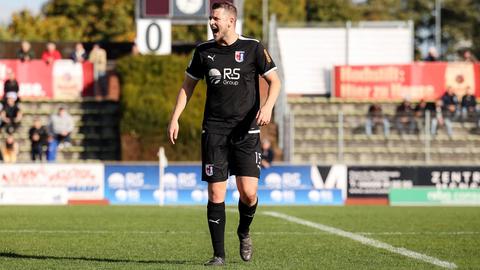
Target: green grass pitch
135,237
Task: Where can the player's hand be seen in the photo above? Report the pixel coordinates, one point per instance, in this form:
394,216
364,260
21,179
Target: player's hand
173,131
264,115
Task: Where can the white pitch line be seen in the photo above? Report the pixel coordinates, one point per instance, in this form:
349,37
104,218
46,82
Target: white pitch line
364,240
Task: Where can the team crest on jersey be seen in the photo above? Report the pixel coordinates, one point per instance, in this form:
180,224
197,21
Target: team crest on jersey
209,169
239,56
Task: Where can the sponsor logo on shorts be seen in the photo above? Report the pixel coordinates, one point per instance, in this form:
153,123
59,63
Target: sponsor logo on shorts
209,169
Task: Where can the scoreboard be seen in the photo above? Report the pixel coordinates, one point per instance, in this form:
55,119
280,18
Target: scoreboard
154,19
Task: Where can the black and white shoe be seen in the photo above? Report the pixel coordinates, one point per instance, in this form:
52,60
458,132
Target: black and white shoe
246,247
215,261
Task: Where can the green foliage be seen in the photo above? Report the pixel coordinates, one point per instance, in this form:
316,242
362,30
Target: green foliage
149,89
76,20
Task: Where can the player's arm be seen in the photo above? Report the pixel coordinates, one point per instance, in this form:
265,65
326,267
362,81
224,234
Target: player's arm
265,113
184,95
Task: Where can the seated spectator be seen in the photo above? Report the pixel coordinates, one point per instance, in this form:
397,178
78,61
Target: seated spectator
432,55
376,118
10,86
267,154
61,127
51,53
79,55
420,110
38,139
404,118
9,150
468,56
11,114
450,101
25,53
440,117
469,105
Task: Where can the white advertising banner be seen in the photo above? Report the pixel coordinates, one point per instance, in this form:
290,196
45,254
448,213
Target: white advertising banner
82,181
34,195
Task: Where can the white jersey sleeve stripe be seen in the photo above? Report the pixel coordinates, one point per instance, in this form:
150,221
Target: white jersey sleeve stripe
268,71
193,77
245,38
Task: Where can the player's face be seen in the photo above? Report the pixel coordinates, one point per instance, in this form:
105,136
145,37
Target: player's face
220,23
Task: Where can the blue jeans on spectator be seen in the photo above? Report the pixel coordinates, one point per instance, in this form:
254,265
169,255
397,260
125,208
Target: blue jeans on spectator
369,125
448,126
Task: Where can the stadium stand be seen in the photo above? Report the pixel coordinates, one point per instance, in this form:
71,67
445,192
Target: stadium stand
316,137
95,136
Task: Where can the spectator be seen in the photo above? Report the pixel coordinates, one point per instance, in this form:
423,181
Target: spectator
404,118
79,55
10,86
51,53
38,138
432,55
469,105
61,127
440,117
98,57
25,53
420,110
11,114
376,118
468,56
450,101
10,150
52,147
267,154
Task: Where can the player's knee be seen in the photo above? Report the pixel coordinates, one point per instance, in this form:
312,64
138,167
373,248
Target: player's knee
249,198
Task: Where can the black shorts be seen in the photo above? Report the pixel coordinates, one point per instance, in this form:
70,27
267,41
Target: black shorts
224,155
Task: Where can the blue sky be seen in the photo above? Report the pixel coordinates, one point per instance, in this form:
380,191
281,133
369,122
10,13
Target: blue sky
7,7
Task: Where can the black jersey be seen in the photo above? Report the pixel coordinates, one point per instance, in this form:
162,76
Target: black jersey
231,72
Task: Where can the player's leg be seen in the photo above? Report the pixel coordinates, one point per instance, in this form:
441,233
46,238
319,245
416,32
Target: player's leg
245,164
215,172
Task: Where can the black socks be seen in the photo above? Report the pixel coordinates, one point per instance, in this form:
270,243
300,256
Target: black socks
216,225
246,216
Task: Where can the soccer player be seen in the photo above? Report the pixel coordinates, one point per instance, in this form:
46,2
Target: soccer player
230,64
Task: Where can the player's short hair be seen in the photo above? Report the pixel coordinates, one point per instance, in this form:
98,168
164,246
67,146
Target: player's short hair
227,6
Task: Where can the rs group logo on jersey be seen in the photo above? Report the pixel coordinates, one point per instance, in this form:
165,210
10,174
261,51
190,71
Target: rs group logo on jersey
214,76
239,56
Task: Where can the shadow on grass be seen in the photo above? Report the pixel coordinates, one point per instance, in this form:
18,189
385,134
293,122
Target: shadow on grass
13,255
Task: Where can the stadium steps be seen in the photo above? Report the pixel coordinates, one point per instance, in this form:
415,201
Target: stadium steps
316,137
95,136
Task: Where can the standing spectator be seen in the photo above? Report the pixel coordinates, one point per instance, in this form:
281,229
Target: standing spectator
52,147
51,53
79,55
267,154
9,150
61,126
440,117
11,114
98,57
432,55
404,118
10,86
469,105
450,101
25,53
376,118
38,138
468,56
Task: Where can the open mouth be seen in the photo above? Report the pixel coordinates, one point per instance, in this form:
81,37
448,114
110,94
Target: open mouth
215,30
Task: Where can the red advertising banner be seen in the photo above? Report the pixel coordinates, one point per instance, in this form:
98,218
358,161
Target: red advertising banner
414,81
62,80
